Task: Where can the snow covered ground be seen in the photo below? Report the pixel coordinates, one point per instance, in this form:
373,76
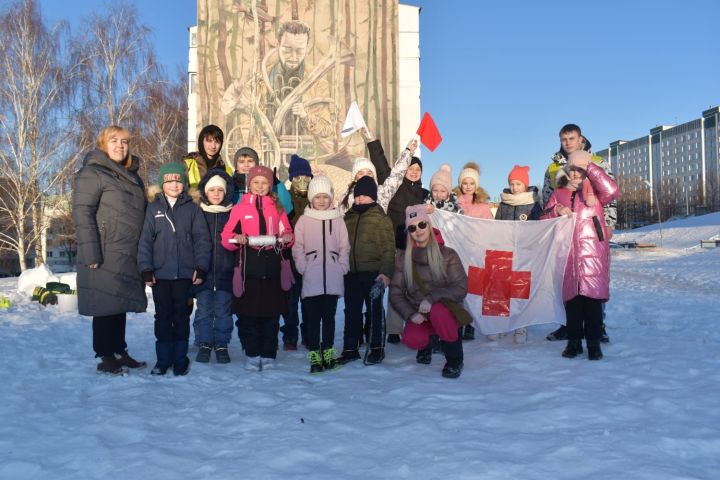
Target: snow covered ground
648,410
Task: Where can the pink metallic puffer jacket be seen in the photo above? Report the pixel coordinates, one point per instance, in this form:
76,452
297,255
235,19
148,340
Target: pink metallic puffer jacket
588,269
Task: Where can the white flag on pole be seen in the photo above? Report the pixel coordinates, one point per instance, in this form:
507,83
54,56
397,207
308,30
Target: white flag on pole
354,121
515,269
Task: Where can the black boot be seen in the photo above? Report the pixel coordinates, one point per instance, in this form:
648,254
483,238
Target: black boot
453,358
348,356
559,334
393,338
424,356
435,344
573,349
594,352
375,356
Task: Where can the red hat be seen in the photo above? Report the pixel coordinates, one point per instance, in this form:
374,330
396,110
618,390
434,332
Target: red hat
261,171
521,174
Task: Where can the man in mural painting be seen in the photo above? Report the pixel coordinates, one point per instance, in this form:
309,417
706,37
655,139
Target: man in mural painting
286,74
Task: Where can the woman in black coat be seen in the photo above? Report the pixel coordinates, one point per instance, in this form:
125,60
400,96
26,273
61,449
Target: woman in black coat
108,212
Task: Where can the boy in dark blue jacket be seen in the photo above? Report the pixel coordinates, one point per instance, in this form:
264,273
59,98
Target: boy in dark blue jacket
214,296
173,254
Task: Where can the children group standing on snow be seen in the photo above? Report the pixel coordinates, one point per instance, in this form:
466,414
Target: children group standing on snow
249,247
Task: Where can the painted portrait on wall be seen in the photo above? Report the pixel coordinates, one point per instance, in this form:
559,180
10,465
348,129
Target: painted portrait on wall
279,76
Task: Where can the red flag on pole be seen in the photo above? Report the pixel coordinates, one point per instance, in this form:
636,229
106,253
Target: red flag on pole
429,134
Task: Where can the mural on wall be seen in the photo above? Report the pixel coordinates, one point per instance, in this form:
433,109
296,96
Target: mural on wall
279,76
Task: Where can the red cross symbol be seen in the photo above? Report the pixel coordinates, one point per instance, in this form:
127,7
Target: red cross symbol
497,283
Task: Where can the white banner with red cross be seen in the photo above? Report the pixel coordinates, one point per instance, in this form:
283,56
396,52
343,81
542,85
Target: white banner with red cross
515,269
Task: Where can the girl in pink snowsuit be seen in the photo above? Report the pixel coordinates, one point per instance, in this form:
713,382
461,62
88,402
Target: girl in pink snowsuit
587,274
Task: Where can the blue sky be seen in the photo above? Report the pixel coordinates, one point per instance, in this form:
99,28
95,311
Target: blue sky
501,78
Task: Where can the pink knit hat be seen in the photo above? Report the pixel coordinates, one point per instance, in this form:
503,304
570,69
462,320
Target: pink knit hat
260,171
416,214
442,177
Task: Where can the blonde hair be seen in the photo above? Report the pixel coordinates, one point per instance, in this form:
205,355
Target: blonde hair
434,258
104,137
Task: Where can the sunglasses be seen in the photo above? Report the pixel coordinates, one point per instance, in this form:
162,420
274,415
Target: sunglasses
420,225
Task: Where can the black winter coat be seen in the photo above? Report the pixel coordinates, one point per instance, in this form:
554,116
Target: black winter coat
521,206
222,261
108,211
175,241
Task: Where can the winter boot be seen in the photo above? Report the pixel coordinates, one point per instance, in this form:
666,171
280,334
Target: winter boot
222,355
594,352
573,349
203,355
127,361
559,334
375,356
520,336
252,364
329,361
424,356
268,363
468,333
603,336
453,359
393,338
111,366
164,352
316,361
348,356
181,363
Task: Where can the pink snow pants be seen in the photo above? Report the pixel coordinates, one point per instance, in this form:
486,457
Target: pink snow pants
440,322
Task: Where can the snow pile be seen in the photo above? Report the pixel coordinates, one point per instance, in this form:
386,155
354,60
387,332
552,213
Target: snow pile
648,410
683,233
35,277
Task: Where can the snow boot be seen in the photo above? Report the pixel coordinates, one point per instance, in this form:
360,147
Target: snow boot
393,338
126,360
375,356
268,363
110,365
435,344
203,355
424,356
468,333
329,361
594,351
559,334
453,359
164,352
573,349
347,356
316,361
252,364
222,355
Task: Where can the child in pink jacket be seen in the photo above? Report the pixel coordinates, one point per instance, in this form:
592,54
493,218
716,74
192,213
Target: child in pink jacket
587,274
322,257
258,309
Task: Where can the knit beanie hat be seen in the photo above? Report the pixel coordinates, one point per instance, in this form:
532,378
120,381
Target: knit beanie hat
172,172
298,167
442,177
216,181
366,186
246,151
579,157
521,174
320,184
470,170
261,171
415,161
416,214
361,163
